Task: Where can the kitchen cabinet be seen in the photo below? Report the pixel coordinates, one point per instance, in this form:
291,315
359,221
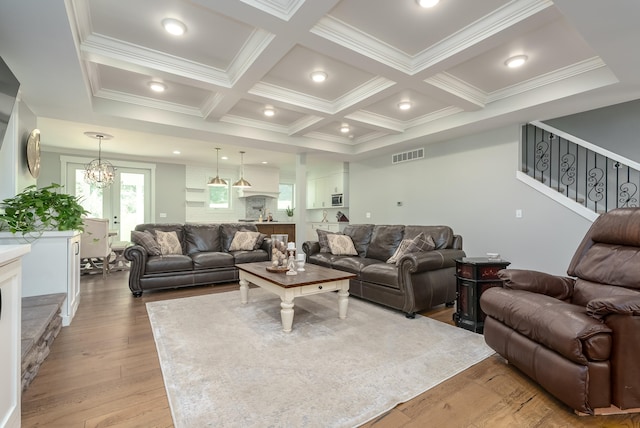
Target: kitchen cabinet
10,333
312,235
269,229
319,190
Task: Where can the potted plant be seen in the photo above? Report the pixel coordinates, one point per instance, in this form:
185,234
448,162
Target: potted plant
34,211
289,211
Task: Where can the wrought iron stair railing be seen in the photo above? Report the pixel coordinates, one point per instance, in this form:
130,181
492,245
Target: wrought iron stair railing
588,175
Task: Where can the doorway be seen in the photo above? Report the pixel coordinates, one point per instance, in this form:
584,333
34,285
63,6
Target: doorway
126,203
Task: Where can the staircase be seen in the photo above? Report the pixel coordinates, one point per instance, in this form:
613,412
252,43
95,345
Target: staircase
586,178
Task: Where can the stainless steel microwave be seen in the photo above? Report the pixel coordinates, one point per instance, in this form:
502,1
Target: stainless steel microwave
336,200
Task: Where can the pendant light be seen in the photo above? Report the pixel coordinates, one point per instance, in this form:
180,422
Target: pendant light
217,181
99,173
242,183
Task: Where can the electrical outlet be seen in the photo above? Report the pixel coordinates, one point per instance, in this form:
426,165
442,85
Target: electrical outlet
163,215
518,213
368,215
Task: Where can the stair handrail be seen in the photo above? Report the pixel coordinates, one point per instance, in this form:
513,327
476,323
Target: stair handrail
586,144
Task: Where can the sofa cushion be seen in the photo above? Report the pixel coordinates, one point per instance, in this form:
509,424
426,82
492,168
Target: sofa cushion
341,245
560,326
322,259
170,263
147,241
250,256
168,242
351,264
201,237
228,231
442,235
385,241
381,273
415,245
211,259
586,291
244,240
323,240
360,235
612,264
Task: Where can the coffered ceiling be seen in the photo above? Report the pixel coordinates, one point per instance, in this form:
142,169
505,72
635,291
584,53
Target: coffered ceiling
86,65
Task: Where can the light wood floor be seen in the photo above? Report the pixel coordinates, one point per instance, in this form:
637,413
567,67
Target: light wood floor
103,370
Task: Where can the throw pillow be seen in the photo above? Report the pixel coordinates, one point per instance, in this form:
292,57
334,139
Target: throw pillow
147,241
260,239
244,241
415,245
323,241
341,245
169,242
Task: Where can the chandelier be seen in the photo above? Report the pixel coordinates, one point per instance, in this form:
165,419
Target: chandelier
98,172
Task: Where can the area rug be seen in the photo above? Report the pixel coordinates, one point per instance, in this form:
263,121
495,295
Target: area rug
226,364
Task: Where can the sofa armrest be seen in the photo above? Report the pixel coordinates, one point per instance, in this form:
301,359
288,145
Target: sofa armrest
457,242
430,260
310,248
266,245
558,287
621,305
137,255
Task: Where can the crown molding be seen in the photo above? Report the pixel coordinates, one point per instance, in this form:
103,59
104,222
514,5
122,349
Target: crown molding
253,123
255,45
559,75
303,123
458,88
147,102
283,9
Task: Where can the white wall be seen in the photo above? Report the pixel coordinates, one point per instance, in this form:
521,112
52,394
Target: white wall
470,185
14,172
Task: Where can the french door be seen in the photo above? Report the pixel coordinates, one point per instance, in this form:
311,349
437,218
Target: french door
126,203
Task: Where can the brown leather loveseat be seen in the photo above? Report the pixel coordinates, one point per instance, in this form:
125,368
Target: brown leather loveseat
579,337
416,281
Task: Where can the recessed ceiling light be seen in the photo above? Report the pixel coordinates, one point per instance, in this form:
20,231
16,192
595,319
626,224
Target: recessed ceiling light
516,61
264,162
157,86
404,105
176,152
269,111
428,3
319,76
173,26
224,157
344,128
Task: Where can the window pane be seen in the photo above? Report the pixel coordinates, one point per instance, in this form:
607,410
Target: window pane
285,199
219,196
90,197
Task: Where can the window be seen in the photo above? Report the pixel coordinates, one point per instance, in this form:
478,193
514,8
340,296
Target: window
219,196
285,199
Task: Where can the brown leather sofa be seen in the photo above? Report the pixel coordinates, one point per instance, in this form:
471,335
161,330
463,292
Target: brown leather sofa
205,257
421,281
579,337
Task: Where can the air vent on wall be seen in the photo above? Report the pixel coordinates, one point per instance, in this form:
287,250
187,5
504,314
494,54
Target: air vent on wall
407,156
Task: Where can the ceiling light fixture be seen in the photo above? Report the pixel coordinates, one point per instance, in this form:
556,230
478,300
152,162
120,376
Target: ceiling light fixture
404,105
176,152
242,183
344,128
99,173
516,61
427,3
318,76
173,26
217,181
157,86
269,111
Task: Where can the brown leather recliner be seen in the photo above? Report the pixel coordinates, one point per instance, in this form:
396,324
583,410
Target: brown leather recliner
579,338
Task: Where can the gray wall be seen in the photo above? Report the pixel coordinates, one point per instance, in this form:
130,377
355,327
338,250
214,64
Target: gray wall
169,191
615,128
470,185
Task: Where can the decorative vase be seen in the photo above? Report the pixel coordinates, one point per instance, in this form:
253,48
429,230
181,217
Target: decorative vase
279,250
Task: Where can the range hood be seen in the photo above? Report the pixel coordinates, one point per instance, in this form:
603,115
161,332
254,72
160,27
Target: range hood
264,181
246,193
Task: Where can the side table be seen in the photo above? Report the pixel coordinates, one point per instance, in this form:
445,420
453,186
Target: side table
474,275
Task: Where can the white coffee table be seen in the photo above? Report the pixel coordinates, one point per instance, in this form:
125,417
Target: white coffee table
313,280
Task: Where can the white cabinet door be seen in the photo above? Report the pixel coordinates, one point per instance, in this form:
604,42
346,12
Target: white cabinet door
73,274
10,355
